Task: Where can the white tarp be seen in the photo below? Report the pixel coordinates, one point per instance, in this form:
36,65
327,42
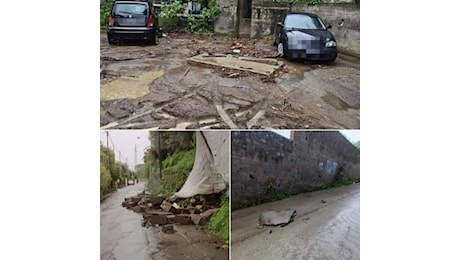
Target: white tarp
210,172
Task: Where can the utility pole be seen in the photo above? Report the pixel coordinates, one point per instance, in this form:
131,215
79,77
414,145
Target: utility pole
159,154
108,150
135,157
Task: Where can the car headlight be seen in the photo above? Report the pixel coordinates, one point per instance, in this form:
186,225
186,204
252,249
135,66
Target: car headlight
331,44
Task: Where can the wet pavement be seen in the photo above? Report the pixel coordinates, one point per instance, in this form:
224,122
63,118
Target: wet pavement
123,237
326,227
153,87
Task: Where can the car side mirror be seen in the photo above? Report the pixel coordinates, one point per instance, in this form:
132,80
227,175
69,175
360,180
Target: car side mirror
280,24
329,27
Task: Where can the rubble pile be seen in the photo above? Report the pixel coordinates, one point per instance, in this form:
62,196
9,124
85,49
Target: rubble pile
157,210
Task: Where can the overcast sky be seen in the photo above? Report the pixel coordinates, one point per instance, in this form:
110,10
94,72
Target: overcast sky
126,142
352,135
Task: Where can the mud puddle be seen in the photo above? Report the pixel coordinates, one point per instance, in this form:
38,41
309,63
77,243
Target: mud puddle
130,87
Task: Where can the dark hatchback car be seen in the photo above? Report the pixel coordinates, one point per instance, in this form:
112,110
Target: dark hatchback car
304,36
132,20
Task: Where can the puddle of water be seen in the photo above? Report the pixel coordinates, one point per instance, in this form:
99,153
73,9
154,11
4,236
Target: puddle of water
335,101
129,87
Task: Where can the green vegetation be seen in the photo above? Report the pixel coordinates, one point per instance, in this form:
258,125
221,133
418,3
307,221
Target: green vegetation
357,145
291,2
176,170
105,8
270,186
169,161
267,37
219,222
280,196
168,15
112,172
201,23
106,180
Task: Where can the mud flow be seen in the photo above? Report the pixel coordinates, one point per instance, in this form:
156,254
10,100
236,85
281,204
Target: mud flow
155,87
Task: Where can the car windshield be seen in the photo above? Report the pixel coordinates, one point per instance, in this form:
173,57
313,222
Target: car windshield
131,9
300,21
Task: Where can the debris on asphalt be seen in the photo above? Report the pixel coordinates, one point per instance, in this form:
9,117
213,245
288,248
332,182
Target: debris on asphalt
275,218
231,62
158,210
323,201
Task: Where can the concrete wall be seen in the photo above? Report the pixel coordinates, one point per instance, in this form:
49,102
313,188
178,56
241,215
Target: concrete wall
347,36
265,12
227,22
265,164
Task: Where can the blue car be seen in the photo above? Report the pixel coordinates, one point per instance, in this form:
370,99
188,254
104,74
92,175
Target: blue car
304,36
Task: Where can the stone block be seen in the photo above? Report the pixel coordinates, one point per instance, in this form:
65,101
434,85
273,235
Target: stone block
183,219
158,219
135,199
166,206
168,229
171,219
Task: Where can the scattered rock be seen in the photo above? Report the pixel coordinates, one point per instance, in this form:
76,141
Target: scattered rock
168,229
157,211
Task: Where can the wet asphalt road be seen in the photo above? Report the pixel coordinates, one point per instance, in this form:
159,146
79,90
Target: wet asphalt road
122,236
322,231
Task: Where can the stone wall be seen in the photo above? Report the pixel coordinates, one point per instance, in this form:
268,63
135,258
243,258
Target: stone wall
265,164
227,22
265,13
347,35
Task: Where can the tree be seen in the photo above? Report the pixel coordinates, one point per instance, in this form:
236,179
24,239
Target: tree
163,144
105,181
357,145
107,159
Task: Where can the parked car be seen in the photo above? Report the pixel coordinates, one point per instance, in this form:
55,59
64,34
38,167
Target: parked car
130,182
132,20
304,36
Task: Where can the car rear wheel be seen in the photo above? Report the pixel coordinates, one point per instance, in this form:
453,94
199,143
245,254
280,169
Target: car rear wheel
110,40
154,39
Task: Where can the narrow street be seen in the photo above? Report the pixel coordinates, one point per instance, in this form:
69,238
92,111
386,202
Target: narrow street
122,236
327,226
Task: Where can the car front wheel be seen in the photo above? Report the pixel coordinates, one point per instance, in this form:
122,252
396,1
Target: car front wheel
281,50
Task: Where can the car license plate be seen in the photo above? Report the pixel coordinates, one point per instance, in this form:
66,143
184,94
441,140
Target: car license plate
312,51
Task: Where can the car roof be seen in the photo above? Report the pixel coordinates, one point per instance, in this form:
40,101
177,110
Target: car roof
132,1
301,13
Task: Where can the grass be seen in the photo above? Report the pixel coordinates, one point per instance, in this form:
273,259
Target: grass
219,222
176,169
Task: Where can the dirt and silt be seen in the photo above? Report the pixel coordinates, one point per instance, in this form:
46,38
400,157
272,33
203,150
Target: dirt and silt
126,234
153,87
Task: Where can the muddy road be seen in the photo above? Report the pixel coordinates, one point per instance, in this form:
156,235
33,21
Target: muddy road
153,87
123,237
328,230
